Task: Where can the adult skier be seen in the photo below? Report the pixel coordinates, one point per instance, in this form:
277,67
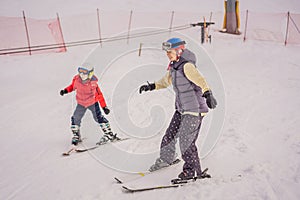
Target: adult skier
88,94
193,98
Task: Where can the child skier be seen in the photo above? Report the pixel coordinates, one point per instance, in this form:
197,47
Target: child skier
88,94
193,97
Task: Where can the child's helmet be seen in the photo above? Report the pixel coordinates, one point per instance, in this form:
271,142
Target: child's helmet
86,69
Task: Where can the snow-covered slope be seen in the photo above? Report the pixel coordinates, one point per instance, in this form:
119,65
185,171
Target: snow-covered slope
257,155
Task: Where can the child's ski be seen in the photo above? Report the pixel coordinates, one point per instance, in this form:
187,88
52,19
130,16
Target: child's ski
98,145
75,149
132,190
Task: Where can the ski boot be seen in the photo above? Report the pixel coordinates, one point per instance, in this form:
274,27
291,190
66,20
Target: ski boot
159,163
76,135
186,175
108,136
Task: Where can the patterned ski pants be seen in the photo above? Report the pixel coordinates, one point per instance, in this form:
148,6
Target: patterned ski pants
186,128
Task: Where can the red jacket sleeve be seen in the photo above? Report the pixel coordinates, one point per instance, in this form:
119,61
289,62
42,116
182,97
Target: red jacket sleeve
70,88
100,98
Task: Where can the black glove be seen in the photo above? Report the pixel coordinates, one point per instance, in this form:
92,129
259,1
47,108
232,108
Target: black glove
210,99
149,87
62,92
106,110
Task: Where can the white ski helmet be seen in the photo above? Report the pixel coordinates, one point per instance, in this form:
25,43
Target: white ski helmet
86,71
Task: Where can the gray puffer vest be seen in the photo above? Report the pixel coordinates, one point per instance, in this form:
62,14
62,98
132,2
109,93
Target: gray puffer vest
188,95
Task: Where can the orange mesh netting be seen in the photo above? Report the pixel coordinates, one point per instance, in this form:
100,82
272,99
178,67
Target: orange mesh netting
43,36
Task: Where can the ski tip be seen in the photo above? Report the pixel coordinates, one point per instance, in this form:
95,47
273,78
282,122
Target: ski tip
205,174
65,154
126,189
118,180
81,150
141,173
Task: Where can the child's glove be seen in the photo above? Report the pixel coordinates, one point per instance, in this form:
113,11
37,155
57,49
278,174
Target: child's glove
106,110
62,92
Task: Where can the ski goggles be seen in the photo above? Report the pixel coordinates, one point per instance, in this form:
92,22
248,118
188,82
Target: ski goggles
83,70
166,46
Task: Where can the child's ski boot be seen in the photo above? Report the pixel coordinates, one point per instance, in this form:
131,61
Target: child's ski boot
76,135
108,136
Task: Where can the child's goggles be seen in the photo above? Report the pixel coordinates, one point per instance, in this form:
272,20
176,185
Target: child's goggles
82,70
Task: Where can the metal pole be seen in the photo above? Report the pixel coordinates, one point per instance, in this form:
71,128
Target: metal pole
246,25
27,34
202,34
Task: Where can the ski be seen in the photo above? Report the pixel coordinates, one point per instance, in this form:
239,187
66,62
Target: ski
132,190
174,184
141,174
180,183
73,148
67,153
99,145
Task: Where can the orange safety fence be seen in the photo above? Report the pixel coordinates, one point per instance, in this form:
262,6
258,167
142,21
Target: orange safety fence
293,33
275,27
30,36
266,26
23,36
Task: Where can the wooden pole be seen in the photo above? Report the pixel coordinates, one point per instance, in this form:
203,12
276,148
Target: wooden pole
246,25
205,29
99,30
140,49
171,22
208,28
210,18
129,26
287,28
61,33
27,34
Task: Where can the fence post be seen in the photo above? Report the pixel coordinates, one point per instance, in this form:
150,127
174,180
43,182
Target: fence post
171,22
140,49
99,30
27,34
129,26
287,28
61,33
210,18
246,23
